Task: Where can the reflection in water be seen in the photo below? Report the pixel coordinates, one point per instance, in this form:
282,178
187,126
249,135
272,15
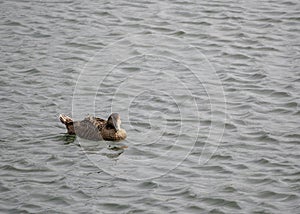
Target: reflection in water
68,138
100,149
104,148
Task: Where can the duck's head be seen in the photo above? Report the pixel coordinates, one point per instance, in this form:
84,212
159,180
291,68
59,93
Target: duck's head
114,121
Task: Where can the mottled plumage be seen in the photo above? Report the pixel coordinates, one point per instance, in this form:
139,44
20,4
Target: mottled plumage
93,128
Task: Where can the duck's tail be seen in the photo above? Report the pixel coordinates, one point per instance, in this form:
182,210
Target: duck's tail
65,119
68,122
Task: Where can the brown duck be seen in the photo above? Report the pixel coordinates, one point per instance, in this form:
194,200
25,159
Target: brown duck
94,128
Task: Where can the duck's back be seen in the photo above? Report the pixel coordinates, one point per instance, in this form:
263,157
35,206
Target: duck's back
90,128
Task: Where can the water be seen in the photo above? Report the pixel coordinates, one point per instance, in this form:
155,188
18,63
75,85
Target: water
208,93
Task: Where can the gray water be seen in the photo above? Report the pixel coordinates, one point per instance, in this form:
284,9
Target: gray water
208,92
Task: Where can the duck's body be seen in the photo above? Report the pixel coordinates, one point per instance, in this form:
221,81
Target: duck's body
93,128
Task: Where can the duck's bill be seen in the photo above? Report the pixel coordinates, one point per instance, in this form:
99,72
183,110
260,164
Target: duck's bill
117,124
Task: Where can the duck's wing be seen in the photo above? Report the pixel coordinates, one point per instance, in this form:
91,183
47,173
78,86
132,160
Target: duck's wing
89,128
96,121
100,123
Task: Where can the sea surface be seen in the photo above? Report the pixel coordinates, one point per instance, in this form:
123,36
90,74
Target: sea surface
208,92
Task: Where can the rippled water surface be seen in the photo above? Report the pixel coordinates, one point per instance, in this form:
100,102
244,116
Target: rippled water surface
208,92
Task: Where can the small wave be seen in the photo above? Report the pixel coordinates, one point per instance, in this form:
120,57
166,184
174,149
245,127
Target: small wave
222,202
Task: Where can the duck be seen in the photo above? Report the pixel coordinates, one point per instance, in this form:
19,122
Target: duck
94,128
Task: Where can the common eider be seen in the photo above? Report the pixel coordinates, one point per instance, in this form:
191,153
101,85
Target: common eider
94,128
